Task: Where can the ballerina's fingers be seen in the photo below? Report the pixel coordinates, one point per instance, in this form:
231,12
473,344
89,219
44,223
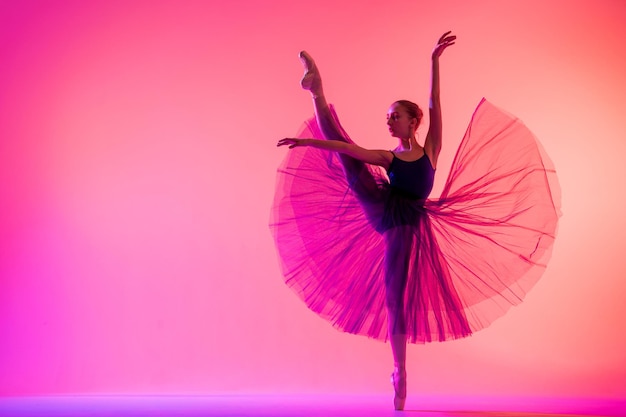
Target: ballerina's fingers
291,142
445,38
444,45
444,41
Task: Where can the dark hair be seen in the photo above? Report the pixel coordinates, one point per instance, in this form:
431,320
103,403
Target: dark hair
412,109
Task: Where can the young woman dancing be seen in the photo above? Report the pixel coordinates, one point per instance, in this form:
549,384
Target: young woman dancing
369,252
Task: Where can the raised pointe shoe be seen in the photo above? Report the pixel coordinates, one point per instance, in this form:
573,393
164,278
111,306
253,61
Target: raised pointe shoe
311,79
398,380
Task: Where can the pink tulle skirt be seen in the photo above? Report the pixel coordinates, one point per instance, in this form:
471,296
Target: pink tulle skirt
464,259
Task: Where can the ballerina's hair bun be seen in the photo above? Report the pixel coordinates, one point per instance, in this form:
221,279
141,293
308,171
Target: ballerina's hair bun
413,110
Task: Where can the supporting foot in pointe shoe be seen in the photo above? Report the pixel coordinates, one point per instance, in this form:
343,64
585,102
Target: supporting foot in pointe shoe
311,79
398,380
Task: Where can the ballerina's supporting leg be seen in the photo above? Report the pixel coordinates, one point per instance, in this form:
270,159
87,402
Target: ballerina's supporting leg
364,185
397,250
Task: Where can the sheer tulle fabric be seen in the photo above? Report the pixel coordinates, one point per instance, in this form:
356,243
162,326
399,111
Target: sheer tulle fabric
461,260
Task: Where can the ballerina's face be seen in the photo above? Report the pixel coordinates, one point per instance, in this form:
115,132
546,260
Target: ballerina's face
401,124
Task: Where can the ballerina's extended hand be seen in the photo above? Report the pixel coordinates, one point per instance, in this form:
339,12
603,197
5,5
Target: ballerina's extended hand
291,142
444,41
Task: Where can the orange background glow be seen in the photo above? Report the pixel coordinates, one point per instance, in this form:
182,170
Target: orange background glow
137,169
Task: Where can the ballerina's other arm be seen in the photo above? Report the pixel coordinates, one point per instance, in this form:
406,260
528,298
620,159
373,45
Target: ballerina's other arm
432,144
374,157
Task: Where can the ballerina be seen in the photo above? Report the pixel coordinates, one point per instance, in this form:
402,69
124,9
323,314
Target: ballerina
401,232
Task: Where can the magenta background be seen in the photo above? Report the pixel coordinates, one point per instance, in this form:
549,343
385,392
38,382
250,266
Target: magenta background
137,166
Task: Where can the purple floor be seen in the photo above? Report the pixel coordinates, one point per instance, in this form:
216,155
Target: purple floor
301,406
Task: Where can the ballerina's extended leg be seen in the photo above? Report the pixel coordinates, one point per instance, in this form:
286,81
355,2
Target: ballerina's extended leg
311,80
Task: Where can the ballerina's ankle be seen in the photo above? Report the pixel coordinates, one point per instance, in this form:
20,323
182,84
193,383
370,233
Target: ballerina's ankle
399,369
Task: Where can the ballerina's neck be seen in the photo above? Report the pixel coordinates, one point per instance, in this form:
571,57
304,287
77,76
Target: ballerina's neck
407,145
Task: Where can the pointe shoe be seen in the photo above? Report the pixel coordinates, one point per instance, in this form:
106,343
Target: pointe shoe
398,380
311,79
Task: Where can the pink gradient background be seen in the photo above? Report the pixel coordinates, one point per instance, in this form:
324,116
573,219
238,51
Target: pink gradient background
137,168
